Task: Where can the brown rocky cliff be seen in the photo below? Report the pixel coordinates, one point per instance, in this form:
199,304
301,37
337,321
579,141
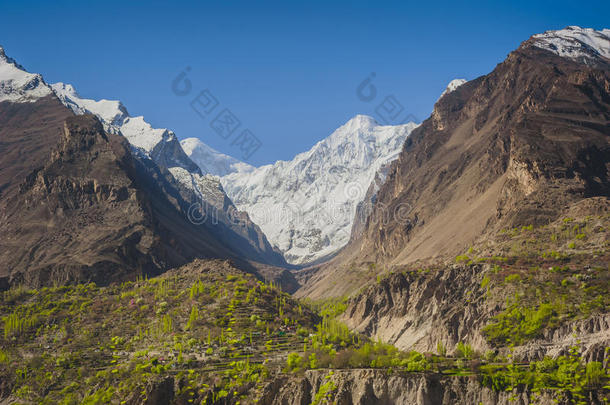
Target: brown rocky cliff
514,147
379,387
78,217
83,208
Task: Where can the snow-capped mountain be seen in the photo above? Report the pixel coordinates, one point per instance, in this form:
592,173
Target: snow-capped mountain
211,161
575,42
306,206
162,146
17,85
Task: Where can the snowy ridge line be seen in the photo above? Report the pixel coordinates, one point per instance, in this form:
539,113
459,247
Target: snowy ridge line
574,42
17,85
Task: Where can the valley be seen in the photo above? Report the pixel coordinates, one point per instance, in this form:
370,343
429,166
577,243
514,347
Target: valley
461,260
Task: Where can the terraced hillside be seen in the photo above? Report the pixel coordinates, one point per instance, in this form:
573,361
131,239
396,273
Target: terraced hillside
207,333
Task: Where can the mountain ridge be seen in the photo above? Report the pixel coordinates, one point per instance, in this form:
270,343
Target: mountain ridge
157,203
204,191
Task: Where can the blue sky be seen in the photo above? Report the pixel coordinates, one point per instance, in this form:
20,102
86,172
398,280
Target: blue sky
287,70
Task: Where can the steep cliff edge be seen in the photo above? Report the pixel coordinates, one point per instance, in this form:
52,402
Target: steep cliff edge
378,387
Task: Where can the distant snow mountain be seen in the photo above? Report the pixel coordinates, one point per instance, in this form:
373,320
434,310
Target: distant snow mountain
211,161
306,206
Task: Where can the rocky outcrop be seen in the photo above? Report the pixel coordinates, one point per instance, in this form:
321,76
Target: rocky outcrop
78,216
418,310
377,387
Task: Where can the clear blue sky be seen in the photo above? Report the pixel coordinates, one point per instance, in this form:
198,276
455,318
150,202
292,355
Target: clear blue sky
289,71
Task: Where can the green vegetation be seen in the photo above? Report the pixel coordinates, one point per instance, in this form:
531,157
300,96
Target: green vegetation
553,274
464,351
221,335
568,375
324,394
218,333
517,324
441,350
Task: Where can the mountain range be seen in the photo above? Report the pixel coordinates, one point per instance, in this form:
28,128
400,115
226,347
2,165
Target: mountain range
305,207
461,260
285,199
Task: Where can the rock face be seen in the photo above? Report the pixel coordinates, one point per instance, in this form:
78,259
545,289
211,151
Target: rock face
514,147
415,311
376,387
365,207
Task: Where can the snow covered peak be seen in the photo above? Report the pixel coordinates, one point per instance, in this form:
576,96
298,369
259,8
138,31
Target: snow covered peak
4,58
359,139
360,121
454,84
210,161
306,206
575,42
17,85
65,89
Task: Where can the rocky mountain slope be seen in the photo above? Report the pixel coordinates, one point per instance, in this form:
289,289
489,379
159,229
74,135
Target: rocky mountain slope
306,206
515,147
80,203
563,265
89,211
203,190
